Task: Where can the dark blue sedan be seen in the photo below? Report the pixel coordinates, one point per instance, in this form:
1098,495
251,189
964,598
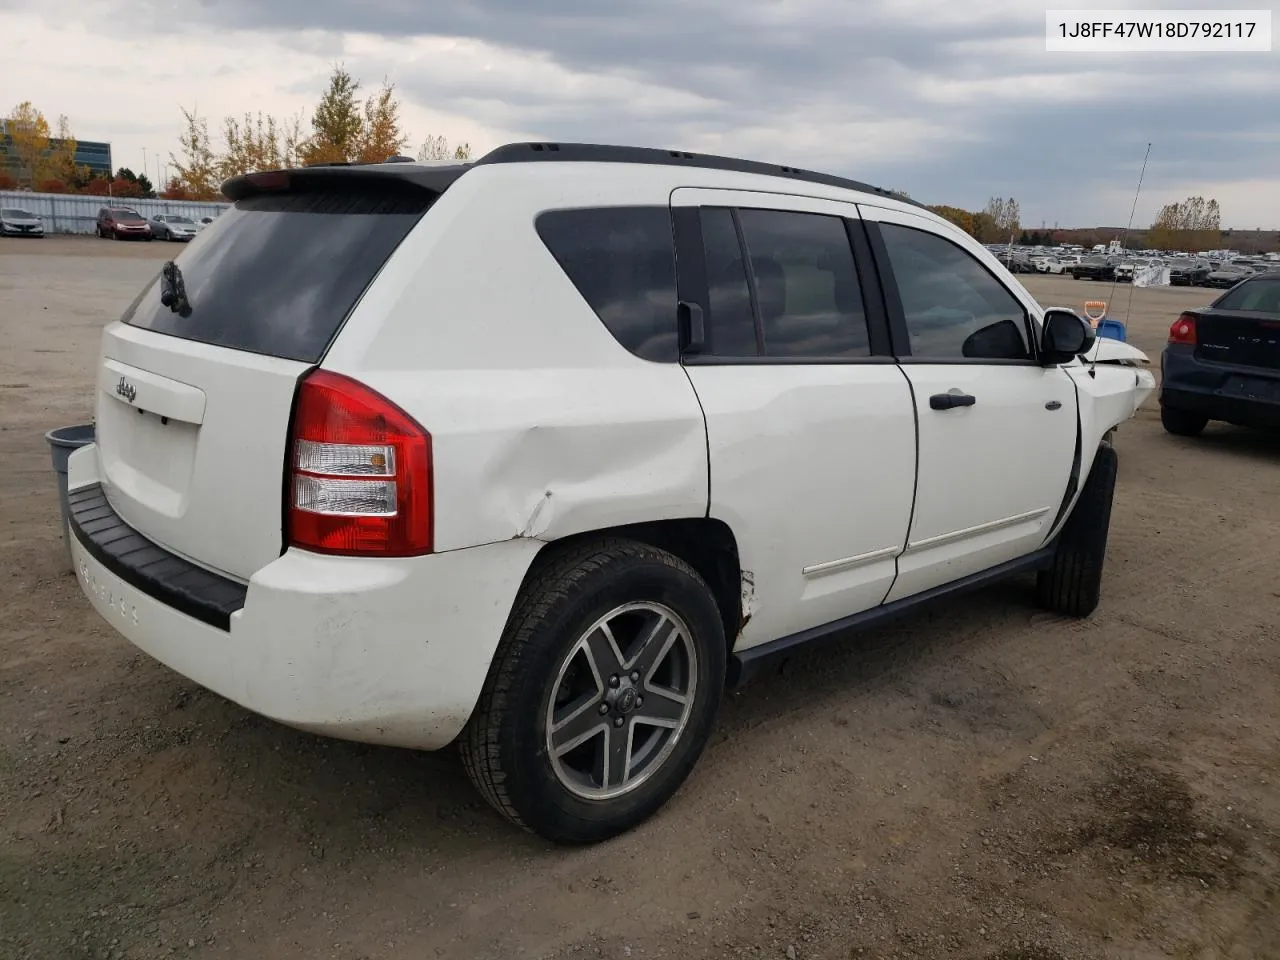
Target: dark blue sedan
1222,361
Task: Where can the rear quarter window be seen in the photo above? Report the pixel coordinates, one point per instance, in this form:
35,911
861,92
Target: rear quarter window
278,274
622,261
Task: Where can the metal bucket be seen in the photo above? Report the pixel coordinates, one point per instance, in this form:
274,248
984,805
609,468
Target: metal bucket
62,443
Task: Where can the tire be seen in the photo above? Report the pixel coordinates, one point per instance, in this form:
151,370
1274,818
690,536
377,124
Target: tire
1182,423
1072,585
507,748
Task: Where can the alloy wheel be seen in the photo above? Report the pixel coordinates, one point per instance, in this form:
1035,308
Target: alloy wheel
621,700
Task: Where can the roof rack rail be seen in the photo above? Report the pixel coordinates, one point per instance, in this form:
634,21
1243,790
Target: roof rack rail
604,153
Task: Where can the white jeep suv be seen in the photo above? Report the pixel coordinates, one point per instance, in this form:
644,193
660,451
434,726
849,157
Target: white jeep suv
538,454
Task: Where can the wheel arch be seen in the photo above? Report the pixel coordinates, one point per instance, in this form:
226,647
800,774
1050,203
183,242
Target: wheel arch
708,545
1092,434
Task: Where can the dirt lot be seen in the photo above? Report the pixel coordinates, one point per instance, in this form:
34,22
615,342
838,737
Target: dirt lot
983,781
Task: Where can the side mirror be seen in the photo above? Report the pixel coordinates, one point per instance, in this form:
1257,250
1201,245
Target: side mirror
1066,336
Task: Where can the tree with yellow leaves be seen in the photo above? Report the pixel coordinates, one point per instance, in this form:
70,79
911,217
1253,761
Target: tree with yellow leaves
62,155
252,144
438,148
337,125
1191,225
381,137
198,170
28,143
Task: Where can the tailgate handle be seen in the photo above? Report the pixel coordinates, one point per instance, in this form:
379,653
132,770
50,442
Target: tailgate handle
152,392
945,401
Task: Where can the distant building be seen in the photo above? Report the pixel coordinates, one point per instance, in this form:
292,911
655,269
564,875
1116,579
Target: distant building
89,153
94,155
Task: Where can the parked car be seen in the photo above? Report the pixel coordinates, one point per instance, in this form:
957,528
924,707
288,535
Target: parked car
1047,264
204,222
1222,362
1127,268
16,222
1188,273
1015,261
1095,267
556,533
165,226
1227,275
121,223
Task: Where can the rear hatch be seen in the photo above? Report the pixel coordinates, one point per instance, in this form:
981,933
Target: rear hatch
1242,328
195,390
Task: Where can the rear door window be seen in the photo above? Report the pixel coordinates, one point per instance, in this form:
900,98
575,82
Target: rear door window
622,260
806,285
278,274
1262,296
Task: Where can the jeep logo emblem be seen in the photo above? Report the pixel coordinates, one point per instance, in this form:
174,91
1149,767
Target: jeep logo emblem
126,389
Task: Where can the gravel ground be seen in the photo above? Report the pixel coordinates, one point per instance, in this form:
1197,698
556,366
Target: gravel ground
982,781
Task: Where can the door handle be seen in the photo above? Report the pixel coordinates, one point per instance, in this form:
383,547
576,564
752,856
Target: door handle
945,401
692,327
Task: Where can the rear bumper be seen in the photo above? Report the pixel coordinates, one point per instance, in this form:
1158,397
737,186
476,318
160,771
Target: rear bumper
1238,395
382,651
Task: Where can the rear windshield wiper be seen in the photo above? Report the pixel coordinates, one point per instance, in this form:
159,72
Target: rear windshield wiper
173,291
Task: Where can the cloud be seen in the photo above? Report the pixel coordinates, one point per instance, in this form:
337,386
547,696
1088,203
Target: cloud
952,102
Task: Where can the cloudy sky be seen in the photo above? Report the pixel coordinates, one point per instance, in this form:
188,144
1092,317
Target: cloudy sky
951,101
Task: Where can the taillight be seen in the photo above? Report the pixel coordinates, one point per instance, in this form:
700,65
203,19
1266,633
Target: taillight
359,472
1184,329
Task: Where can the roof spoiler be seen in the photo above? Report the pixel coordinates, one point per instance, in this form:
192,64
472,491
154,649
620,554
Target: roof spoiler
402,172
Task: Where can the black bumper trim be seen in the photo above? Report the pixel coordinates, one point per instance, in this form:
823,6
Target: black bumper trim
1241,411
137,561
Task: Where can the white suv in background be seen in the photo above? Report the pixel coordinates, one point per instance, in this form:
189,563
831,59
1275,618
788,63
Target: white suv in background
542,452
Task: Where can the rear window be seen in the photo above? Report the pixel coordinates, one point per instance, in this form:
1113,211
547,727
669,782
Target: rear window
278,274
1262,296
622,260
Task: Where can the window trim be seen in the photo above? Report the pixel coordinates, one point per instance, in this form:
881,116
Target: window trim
898,332
692,287
748,268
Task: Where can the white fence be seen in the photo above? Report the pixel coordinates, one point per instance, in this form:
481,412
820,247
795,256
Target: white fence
78,213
